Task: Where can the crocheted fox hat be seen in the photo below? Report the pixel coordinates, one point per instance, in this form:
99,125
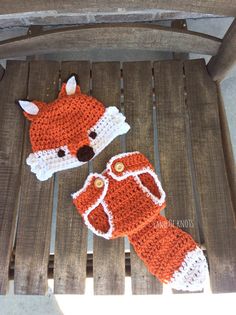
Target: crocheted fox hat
69,131
126,200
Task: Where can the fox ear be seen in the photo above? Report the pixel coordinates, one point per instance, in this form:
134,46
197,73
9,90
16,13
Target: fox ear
70,86
29,107
32,108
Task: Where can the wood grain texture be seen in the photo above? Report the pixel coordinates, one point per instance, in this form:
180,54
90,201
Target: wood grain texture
138,106
12,86
220,65
2,71
108,255
228,149
51,18
211,176
71,232
182,25
221,7
34,225
111,36
174,147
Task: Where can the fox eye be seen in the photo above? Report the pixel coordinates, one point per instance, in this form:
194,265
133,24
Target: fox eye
61,153
93,134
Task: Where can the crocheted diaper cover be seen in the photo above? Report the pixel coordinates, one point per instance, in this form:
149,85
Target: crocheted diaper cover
126,200
69,131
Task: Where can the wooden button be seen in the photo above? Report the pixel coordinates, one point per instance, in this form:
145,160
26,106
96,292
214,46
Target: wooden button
98,183
119,167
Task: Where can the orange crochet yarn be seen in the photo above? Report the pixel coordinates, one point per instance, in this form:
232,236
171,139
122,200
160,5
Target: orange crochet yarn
126,200
65,121
69,131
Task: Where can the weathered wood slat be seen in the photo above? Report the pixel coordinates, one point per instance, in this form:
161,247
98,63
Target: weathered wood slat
211,177
2,70
33,231
211,185
182,25
222,7
51,18
108,255
174,147
111,36
228,149
71,232
138,105
220,65
12,86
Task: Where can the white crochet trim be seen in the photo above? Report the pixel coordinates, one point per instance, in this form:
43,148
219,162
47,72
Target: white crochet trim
46,162
155,199
99,201
192,274
136,178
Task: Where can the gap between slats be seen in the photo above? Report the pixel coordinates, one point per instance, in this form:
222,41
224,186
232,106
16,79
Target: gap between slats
55,195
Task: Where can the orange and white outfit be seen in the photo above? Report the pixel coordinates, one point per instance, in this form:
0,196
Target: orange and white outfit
126,200
69,131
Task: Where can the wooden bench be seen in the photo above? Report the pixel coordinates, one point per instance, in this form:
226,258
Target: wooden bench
193,171
178,122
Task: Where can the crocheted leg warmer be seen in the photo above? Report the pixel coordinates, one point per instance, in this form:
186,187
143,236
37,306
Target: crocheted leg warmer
126,199
171,255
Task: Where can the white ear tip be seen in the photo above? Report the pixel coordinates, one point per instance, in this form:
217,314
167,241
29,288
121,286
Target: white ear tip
71,85
72,80
29,107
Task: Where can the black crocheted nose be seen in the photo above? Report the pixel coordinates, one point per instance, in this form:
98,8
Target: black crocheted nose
85,153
